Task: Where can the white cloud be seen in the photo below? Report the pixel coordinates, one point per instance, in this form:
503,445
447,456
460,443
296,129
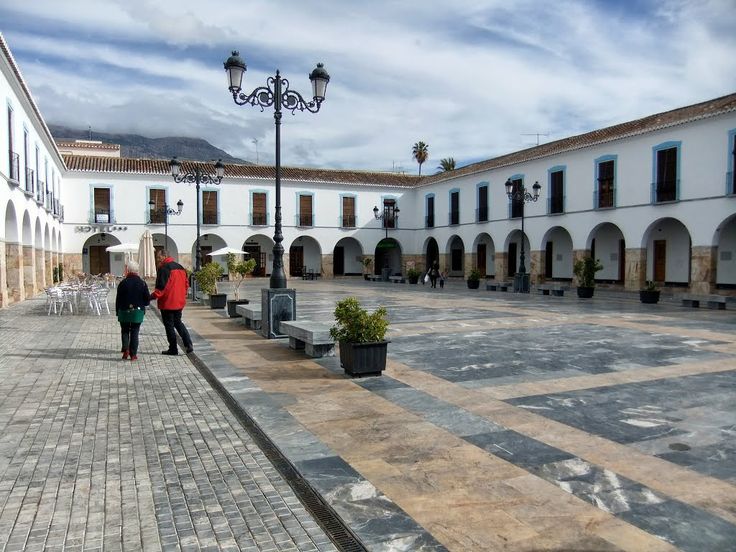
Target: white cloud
468,78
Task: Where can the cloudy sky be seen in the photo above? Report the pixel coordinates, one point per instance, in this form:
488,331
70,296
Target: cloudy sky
471,78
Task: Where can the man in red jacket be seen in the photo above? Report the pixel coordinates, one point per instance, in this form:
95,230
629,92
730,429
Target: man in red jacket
171,293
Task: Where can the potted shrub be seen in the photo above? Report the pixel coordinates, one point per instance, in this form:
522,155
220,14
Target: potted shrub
649,293
585,270
238,271
473,279
367,262
207,281
361,337
413,274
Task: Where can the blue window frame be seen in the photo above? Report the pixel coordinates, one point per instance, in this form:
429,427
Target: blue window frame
666,172
516,206
348,208
731,174
481,195
454,201
429,211
604,189
556,190
305,209
102,200
258,215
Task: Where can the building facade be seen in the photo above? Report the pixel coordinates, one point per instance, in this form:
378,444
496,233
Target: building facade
652,199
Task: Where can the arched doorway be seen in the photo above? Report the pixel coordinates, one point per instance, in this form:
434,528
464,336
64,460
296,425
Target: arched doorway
431,253
95,258
160,242
346,258
305,253
388,256
456,256
13,255
485,255
726,254
260,248
606,244
207,244
513,253
557,259
668,246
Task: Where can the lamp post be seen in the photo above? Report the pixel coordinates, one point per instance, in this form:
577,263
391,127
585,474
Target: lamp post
166,211
276,93
197,176
389,216
521,194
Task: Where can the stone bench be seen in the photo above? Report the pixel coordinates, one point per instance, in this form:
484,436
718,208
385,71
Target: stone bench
314,337
713,301
499,286
251,315
375,278
557,290
397,279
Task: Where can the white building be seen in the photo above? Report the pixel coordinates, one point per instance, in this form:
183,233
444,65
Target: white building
652,199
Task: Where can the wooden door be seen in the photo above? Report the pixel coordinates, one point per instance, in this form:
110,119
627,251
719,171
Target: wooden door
660,260
296,260
99,260
206,250
621,260
511,260
481,262
338,261
549,258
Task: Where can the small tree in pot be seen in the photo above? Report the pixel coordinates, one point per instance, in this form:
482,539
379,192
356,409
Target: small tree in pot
474,279
361,337
207,281
413,274
367,262
585,270
649,293
238,271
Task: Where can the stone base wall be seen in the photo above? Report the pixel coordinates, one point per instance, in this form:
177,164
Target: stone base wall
407,261
501,265
536,267
29,272
72,264
703,269
3,277
635,269
328,266
470,261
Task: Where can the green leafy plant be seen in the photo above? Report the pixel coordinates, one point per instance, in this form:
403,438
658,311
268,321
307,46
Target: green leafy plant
474,275
239,270
585,270
413,273
207,277
650,285
61,273
353,324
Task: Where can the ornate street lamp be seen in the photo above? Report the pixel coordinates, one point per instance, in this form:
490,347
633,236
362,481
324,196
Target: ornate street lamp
166,211
276,93
197,176
519,194
389,216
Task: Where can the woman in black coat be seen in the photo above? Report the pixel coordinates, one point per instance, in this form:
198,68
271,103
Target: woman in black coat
130,306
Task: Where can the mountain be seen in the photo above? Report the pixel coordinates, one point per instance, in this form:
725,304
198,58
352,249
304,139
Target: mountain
136,146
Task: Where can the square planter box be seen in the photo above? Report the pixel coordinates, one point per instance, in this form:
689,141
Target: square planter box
363,359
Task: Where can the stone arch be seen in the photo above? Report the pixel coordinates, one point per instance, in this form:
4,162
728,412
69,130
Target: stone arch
431,252
606,243
484,254
667,245
209,243
11,272
724,242
346,257
556,259
29,262
160,241
260,248
304,252
95,260
455,256
387,256
510,261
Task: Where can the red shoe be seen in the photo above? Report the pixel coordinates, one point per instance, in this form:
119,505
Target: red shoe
125,355
133,357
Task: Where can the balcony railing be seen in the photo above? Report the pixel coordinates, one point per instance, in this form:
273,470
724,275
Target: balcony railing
40,190
209,218
305,219
454,217
665,190
604,199
481,214
429,221
30,180
259,219
347,221
100,216
14,168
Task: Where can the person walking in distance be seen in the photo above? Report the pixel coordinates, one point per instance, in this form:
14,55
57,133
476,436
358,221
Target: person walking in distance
171,295
434,273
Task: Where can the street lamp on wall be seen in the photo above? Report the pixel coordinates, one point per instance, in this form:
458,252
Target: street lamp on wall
198,177
520,194
276,94
165,211
389,216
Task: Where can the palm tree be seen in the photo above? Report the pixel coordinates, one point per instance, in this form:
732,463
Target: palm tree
447,164
420,152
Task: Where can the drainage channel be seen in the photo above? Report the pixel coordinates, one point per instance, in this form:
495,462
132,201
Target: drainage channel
333,526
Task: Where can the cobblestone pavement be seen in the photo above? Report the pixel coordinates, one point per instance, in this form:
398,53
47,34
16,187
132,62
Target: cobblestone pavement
97,453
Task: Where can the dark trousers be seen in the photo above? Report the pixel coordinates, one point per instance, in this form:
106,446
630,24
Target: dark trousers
433,279
172,321
129,333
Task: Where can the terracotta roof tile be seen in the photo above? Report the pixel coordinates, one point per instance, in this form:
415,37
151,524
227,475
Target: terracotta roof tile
84,163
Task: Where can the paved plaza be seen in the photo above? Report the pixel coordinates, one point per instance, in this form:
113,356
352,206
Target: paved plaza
502,422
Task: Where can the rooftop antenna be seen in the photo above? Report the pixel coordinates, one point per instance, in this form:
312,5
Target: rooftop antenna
255,141
89,129
537,134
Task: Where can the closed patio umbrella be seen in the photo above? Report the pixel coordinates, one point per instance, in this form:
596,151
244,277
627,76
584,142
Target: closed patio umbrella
147,256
